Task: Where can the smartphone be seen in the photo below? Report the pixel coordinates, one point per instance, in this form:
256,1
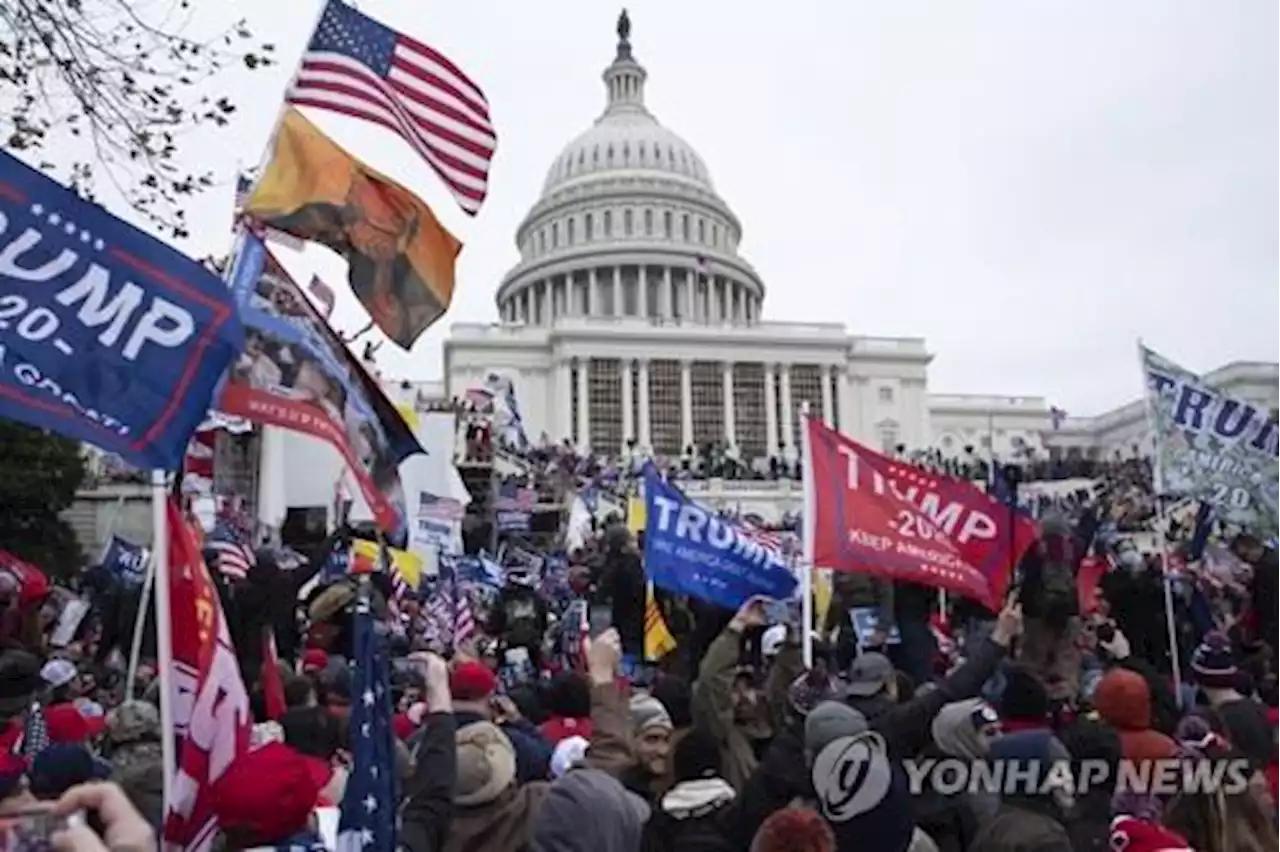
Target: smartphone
33,830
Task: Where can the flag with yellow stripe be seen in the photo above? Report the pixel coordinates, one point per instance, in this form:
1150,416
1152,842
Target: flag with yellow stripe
658,641
405,565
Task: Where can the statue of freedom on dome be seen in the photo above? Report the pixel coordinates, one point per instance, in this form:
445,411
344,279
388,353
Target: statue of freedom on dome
624,27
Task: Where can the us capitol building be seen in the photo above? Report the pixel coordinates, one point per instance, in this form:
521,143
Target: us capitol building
631,315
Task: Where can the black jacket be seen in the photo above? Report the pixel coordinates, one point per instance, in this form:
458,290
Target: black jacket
783,775
428,801
907,726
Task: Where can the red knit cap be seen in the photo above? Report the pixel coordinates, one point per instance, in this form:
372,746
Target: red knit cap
472,681
314,660
794,830
265,795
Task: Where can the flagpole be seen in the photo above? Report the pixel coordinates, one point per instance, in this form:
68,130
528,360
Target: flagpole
807,567
139,624
1162,526
164,628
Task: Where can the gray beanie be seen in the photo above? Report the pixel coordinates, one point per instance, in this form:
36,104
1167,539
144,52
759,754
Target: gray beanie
648,712
588,811
828,722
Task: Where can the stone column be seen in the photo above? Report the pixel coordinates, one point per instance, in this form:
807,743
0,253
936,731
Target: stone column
584,414
563,388
686,405
628,422
770,412
828,413
730,428
664,294
617,292
691,294
592,294
788,411
642,291
644,436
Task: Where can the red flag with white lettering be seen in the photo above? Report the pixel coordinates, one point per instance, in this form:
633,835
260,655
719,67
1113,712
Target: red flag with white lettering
212,719
869,513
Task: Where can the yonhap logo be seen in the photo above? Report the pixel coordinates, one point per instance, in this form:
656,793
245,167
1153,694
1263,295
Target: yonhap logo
851,775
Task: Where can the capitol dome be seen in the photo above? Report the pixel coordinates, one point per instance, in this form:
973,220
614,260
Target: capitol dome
629,225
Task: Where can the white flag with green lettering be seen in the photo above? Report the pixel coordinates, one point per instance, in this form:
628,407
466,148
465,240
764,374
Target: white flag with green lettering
1219,449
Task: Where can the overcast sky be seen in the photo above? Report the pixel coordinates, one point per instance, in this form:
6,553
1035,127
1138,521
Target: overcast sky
1029,186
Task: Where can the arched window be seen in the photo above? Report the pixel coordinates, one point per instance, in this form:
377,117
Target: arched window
542,240
588,223
666,224
555,234
608,223
626,222
569,227
702,232
648,223
684,227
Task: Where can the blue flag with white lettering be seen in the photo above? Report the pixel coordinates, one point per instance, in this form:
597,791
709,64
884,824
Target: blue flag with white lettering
107,335
126,562
691,550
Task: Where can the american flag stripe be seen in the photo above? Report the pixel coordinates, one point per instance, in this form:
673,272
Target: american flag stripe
355,66
234,560
464,623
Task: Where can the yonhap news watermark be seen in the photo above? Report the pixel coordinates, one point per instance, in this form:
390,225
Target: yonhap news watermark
1159,777
853,774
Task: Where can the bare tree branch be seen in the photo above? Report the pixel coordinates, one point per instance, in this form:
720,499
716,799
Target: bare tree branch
123,76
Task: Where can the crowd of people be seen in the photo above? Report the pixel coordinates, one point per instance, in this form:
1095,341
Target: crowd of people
542,719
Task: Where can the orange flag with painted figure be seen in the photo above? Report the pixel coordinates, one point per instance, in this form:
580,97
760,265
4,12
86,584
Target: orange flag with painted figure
401,260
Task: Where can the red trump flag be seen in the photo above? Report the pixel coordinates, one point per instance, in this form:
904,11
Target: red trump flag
211,711
876,515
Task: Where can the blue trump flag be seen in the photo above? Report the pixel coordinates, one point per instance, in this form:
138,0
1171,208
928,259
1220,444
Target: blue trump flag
107,335
126,562
690,550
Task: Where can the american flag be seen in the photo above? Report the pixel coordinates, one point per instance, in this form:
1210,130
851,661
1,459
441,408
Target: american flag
439,509
323,294
368,815
515,498
761,536
479,397
35,733
356,66
464,621
235,556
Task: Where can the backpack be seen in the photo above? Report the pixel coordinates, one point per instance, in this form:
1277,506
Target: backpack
1059,598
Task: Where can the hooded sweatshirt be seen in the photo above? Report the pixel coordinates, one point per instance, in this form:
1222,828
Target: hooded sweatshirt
1123,700
588,810
954,731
